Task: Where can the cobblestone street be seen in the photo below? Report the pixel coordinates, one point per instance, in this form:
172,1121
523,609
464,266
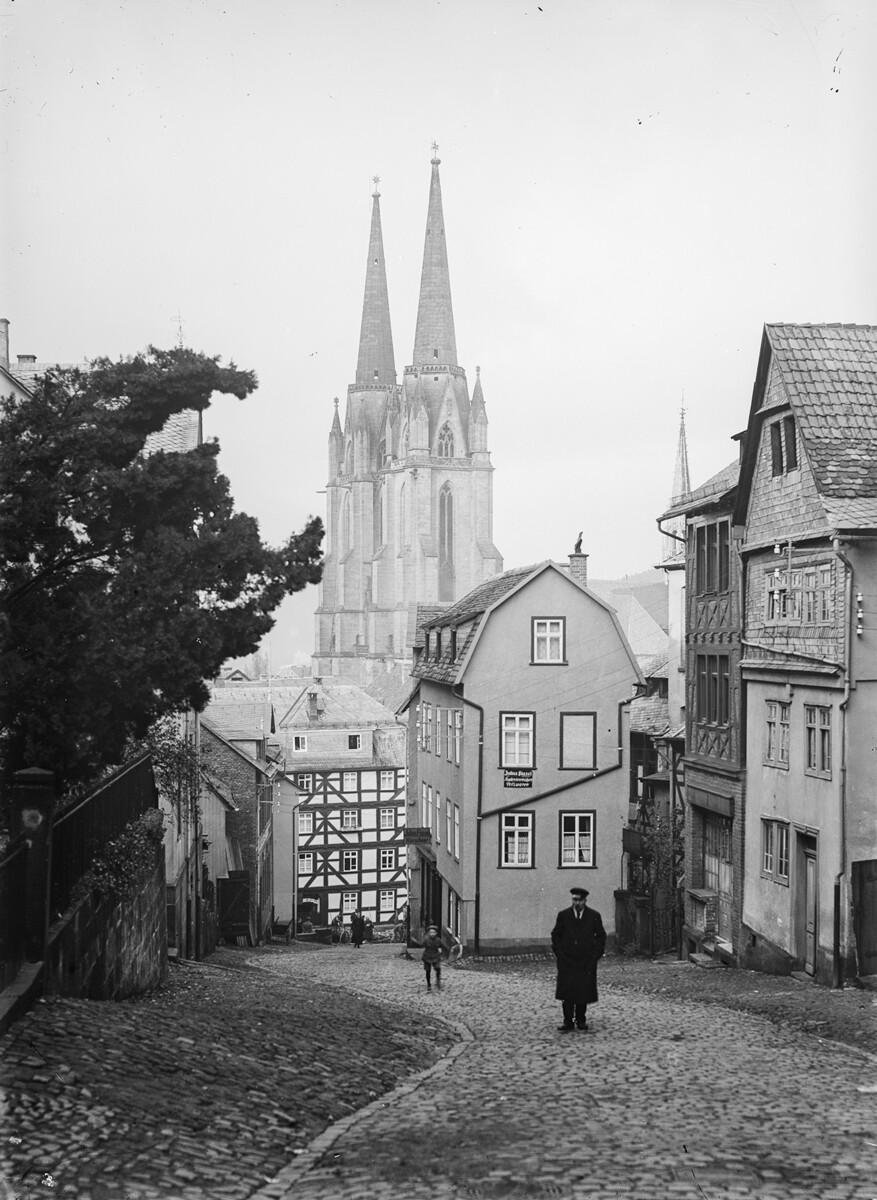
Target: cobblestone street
325,1073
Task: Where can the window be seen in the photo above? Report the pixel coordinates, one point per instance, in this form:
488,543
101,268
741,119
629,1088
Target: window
438,645
577,839
775,851
306,864
517,840
388,860
427,727
578,741
348,781
713,557
449,826
449,733
457,832
388,781
817,735
354,741
818,598
305,782
783,446
438,730
549,643
776,748
453,636
517,739
349,902
424,806
350,819
446,442
712,689
305,821
458,734
717,875
349,860
388,818
386,901
438,819
299,742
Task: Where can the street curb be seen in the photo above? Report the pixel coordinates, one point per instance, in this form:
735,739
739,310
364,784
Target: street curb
279,1188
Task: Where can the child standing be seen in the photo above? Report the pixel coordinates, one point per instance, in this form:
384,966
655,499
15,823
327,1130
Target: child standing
432,957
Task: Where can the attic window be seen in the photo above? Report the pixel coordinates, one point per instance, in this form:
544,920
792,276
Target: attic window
426,646
376,376
453,645
438,644
435,353
783,446
354,741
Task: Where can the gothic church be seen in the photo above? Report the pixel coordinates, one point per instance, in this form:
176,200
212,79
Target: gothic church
410,489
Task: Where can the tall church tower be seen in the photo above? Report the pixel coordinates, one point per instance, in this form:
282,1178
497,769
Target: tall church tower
410,489
674,547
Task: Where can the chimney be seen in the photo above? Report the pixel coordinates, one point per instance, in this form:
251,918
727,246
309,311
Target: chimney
24,359
313,711
578,568
4,342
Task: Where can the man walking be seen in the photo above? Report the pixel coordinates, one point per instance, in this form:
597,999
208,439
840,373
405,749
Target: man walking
578,941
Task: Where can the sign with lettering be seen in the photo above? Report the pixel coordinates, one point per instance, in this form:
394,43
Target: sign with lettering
517,777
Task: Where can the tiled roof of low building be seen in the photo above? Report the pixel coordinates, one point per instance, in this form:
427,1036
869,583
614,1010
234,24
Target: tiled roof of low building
649,714
714,489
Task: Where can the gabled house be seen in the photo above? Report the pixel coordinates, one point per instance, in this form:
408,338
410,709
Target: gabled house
257,797
519,757
714,777
345,752
807,508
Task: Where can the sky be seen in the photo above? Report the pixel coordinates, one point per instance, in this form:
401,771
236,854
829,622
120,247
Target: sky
631,189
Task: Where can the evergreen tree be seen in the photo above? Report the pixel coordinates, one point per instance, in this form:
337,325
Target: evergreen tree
127,579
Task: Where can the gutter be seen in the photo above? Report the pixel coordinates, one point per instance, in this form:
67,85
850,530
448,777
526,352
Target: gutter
478,815
838,973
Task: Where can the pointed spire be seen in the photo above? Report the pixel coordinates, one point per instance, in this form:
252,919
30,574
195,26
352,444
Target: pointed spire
376,363
477,410
335,431
681,481
434,340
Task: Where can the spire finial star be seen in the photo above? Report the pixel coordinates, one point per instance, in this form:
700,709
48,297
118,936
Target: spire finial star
336,403
435,158
376,179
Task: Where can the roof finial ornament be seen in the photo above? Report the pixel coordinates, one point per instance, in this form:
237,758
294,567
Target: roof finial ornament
477,370
376,179
435,158
336,403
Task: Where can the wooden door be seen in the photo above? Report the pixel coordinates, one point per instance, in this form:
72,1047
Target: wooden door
810,912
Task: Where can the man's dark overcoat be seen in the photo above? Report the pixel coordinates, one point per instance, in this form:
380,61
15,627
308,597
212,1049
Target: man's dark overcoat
577,942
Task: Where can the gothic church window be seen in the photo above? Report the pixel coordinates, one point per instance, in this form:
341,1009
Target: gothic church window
446,442
446,543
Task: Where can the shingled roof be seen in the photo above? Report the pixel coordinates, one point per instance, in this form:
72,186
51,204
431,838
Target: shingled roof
829,375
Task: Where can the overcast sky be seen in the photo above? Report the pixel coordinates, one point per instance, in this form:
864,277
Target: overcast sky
631,189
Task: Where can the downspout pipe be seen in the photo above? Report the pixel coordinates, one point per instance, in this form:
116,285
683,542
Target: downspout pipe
478,817
838,969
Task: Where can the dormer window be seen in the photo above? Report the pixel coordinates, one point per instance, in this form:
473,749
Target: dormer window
426,646
783,446
453,645
438,644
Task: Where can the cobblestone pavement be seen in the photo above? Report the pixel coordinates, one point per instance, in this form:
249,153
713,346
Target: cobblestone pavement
324,1073
663,1098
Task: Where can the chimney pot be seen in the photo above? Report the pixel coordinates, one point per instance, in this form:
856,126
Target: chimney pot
4,342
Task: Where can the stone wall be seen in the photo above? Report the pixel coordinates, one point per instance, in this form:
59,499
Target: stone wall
109,949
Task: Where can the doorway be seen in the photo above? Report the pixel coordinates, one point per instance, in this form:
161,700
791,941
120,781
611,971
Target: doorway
807,902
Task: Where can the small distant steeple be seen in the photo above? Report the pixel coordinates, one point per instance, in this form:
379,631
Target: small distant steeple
376,363
434,341
681,481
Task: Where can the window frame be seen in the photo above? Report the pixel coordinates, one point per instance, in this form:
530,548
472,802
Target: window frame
302,869
386,908
350,860
386,818
305,820
776,841
518,824
305,781
783,446
457,832
817,741
590,766
299,743
449,827
349,903
547,637
349,819
458,734
573,814
387,781
712,689
354,741
388,859
346,786
530,731
778,724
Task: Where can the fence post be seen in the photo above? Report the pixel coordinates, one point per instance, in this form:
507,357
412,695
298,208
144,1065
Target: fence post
33,803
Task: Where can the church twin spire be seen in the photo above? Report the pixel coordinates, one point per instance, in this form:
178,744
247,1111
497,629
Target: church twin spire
435,342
